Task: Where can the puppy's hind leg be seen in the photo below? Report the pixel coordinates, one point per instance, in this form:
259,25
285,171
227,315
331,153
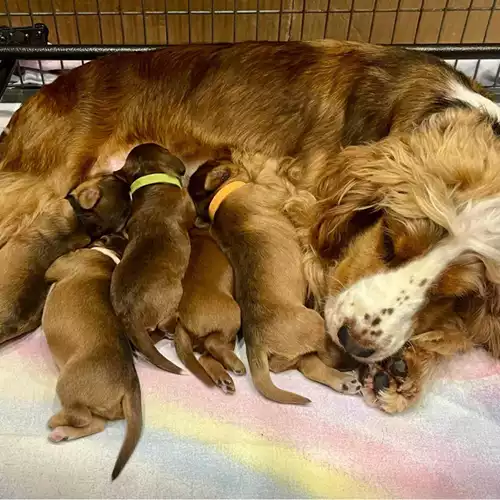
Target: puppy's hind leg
217,373
75,415
314,369
223,352
184,349
67,432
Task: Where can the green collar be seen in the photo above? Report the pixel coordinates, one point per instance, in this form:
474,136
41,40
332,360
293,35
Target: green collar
146,180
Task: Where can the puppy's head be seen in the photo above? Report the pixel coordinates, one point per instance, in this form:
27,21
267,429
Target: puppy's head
116,242
102,204
207,180
150,159
388,217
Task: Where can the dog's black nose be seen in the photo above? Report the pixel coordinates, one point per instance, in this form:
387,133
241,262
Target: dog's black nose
351,346
343,335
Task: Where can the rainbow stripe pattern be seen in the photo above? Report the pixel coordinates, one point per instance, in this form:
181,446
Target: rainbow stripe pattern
201,443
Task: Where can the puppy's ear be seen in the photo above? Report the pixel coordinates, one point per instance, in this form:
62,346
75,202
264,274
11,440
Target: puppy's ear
88,197
130,170
121,175
216,177
170,163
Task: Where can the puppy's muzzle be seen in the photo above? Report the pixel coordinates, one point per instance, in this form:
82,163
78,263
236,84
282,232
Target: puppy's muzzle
351,346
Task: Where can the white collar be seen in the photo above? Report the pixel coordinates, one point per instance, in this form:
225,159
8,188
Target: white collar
110,253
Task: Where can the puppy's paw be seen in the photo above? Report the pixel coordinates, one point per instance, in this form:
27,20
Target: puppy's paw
392,386
225,384
239,368
350,383
58,435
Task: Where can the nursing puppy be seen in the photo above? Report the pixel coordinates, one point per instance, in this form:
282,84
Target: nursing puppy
209,317
147,284
98,381
280,332
94,207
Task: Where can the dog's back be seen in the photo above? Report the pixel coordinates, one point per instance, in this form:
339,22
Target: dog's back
191,100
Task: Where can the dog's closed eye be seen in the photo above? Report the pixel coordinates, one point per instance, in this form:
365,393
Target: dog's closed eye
388,250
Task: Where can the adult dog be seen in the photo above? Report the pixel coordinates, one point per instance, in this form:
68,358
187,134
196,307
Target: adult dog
280,99
303,100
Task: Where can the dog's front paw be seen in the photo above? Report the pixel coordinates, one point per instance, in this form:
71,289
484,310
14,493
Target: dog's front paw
350,384
392,386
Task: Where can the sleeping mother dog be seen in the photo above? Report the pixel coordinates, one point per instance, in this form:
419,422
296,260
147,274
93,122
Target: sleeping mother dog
306,101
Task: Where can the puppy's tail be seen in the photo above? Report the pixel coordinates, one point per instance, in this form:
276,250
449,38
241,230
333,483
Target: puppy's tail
259,368
184,349
132,410
143,343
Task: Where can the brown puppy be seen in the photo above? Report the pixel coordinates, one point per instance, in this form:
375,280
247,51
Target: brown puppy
280,332
98,381
147,284
209,317
93,208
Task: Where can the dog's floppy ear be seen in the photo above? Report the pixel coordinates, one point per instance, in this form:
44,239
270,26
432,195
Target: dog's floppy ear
342,216
216,177
348,198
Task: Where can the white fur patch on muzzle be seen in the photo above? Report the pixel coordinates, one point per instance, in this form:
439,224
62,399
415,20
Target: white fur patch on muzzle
379,310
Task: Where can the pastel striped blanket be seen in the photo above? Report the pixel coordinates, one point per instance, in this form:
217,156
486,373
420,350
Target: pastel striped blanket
201,443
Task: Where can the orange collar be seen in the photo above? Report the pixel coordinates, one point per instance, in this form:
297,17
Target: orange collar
222,195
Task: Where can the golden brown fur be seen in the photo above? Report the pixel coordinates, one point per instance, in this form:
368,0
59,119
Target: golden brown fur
280,332
98,381
209,317
25,258
147,284
293,99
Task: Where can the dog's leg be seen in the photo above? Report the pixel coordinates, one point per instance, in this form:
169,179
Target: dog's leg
74,415
217,373
222,352
314,369
67,432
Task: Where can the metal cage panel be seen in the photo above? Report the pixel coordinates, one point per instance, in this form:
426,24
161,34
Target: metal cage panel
218,21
